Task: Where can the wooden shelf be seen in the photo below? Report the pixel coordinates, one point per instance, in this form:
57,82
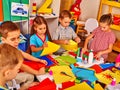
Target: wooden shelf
115,27
111,3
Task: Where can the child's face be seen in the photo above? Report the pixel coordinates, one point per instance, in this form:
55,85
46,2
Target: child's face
11,73
65,22
104,26
13,38
40,29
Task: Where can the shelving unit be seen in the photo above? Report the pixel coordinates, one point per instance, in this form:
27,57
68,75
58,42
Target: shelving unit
52,19
111,5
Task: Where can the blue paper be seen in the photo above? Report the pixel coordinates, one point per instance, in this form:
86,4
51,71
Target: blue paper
107,65
47,59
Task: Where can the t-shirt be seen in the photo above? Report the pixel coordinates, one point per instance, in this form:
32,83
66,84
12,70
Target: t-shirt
36,41
63,33
102,40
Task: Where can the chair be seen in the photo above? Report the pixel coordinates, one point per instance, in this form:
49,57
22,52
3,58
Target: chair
90,25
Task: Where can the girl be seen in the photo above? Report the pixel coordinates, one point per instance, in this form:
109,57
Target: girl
40,34
103,38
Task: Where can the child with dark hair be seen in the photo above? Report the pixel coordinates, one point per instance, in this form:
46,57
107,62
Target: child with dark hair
39,36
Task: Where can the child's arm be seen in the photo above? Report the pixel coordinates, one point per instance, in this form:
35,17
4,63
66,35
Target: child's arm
85,48
30,70
61,41
36,49
98,55
30,57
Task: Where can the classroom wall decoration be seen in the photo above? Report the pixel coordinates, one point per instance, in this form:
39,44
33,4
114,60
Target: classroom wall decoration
7,10
18,9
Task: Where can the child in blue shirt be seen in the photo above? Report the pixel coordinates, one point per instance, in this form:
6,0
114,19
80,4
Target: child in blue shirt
40,35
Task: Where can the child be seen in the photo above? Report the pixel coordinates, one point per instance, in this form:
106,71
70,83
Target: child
10,62
10,34
102,38
40,35
64,32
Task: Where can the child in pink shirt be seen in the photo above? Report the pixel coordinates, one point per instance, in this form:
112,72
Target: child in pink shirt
102,38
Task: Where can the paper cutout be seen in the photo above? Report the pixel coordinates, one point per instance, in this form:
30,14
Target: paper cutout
82,86
98,87
52,47
84,74
65,60
60,78
71,46
107,76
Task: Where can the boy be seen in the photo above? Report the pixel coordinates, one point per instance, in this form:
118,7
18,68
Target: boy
10,34
10,61
64,32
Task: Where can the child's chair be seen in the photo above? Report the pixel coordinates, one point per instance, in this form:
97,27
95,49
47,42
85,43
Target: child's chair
90,25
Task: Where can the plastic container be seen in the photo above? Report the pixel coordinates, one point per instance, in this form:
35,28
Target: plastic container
90,58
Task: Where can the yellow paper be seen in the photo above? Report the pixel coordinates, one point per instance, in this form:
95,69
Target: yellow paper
107,76
52,47
60,78
98,87
71,46
81,86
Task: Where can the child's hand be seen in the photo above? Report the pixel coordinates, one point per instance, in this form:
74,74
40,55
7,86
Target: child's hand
66,41
78,40
98,55
45,45
84,50
43,61
117,64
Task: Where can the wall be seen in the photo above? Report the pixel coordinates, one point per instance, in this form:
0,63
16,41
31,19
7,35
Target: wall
89,9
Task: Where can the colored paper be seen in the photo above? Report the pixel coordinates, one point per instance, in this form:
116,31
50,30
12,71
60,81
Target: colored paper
65,60
7,10
84,74
82,86
71,46
98,87
60,78
107,76
1,11
52,47
107,65
49,62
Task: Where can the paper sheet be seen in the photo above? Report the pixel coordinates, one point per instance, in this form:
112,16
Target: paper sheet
60,78
52,47
82,86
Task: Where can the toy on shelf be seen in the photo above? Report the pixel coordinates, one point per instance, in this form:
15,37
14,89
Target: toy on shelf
75,8
116,19
34,9
44,8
